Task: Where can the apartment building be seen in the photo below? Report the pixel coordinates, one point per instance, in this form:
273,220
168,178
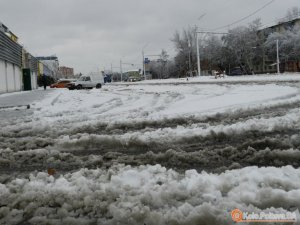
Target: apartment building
268,65
65,72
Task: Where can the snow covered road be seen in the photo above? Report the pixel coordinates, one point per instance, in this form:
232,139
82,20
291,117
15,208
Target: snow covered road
221,132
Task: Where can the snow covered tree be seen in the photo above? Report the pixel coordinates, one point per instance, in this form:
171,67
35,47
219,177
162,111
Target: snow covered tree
293,13
242,43
212,53
289,45
185,45
159,68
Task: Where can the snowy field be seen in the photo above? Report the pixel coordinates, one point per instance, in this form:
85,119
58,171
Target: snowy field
153,152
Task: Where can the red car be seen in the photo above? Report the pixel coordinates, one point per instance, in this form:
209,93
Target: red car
61,84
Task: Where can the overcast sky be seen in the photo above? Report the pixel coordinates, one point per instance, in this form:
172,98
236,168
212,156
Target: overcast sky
93,34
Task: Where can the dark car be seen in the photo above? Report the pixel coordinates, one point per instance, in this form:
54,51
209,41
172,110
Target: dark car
236,72
107,79
71,86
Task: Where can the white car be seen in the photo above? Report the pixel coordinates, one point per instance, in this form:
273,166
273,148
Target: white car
89,81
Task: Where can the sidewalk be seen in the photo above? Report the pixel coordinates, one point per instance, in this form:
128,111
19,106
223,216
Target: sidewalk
22,98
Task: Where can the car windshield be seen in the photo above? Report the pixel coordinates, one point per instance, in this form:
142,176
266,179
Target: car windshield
81,79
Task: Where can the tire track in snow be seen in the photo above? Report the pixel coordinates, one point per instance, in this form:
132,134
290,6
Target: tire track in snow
216,151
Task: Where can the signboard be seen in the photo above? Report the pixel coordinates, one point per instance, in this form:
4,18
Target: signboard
146,61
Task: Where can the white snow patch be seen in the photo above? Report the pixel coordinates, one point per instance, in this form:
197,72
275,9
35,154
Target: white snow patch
153,195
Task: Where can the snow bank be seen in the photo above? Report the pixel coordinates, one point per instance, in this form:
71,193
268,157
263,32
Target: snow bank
246,78
148,195
212,127
179,133
156,102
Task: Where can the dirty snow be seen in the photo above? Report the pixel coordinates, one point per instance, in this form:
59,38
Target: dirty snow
154,152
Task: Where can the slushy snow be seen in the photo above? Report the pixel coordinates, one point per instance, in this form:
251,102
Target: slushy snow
153,152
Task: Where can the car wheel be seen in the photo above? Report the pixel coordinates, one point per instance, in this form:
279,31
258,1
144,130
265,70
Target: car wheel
98,86
79,87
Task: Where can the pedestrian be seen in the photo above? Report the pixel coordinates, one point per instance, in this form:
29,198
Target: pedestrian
44,81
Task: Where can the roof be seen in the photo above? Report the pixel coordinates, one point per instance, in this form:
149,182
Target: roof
282,22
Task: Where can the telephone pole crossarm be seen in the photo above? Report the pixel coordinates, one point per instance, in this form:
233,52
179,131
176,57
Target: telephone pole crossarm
209,32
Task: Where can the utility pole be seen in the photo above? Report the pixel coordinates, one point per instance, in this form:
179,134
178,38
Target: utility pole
198,51
111,70
121,70
144,73
277,50
143,54
197,45
198,55
189,58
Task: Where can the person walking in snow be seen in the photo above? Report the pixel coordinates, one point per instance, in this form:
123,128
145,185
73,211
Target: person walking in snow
44,80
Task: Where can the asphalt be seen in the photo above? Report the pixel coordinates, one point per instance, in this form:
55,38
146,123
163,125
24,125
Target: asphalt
22,99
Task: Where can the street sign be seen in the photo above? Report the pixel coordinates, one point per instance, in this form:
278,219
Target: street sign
146,61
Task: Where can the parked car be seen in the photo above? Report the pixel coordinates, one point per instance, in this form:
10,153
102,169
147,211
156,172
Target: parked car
107,79
93,80
61,83
236,72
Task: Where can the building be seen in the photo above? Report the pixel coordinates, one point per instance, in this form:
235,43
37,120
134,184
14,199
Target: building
51,64
10,34
19,70
282,26
10,61
65,72
269,65
30,69
132,75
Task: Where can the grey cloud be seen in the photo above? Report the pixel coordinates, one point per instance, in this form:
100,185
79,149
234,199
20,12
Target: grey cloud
86,34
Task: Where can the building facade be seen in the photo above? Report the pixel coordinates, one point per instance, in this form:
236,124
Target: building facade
30,65
66,72
10,62
269,65
50,64
19,70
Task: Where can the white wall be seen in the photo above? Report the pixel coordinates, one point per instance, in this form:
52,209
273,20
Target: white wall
10,77
2,77
33,80
18,79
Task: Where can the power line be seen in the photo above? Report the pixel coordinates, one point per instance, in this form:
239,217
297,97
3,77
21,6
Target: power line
246,17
